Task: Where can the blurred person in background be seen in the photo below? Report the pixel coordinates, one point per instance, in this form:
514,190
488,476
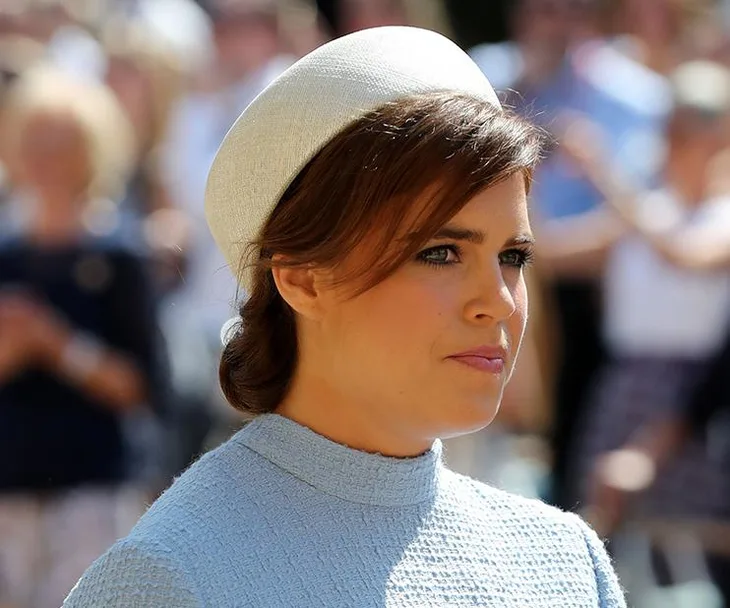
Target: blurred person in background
249,53
303,27
667,297
637,42
661,34
147,80
525,68
182,26
354,15
61,27
551,69
80,358
144,73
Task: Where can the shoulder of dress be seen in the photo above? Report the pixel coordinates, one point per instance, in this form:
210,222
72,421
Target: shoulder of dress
483,495
139,568
200,500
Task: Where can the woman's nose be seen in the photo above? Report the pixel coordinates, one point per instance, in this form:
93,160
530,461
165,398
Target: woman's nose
491,298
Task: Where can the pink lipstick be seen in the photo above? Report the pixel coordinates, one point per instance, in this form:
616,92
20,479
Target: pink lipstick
490,359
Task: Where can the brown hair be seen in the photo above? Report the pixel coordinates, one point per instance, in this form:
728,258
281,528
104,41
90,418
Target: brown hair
448,146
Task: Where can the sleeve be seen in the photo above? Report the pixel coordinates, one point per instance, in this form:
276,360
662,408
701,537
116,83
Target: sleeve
131,575
610,593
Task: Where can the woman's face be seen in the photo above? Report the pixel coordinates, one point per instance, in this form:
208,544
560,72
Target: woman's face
428,351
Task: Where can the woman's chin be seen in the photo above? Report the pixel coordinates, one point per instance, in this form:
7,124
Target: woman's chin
469,419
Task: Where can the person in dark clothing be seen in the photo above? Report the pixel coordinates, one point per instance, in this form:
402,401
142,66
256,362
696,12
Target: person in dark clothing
80,355
60,426
712,395
704,415
709,410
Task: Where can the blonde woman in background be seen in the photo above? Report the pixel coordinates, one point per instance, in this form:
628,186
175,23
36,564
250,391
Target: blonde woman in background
79,353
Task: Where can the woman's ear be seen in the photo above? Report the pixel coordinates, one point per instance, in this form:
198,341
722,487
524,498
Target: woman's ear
299,287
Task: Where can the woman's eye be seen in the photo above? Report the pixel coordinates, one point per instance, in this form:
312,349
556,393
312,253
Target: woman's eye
518,258
440,256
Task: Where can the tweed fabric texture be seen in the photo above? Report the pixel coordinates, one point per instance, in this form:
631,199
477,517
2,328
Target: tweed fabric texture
280,517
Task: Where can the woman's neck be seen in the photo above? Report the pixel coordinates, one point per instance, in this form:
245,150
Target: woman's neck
314,403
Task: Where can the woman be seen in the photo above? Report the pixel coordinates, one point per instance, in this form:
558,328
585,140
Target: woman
373,199
78,355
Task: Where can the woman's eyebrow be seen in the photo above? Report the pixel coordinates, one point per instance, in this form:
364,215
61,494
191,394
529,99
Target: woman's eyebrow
478,237
460,234
521,239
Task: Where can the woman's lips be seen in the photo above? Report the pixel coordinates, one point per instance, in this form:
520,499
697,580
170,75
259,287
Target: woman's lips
488,359
483,364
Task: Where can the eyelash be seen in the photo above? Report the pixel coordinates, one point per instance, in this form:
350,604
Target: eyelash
525,256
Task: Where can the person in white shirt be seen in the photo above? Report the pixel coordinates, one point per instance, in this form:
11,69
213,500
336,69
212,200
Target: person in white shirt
667,303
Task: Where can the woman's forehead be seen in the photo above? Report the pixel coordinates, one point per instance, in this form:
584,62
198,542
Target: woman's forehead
498,211
504,200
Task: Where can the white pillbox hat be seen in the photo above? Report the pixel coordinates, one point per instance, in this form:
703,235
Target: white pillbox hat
308,105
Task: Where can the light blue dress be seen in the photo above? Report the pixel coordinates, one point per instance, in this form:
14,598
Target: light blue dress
282,517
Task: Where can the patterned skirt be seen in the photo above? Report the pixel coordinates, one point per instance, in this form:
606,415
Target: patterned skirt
631,393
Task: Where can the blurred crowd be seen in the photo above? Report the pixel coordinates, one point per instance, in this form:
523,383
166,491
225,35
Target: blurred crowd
113,295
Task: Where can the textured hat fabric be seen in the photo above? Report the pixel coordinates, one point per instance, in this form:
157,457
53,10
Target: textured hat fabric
308,105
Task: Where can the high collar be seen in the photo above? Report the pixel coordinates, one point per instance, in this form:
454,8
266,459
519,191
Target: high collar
341,471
